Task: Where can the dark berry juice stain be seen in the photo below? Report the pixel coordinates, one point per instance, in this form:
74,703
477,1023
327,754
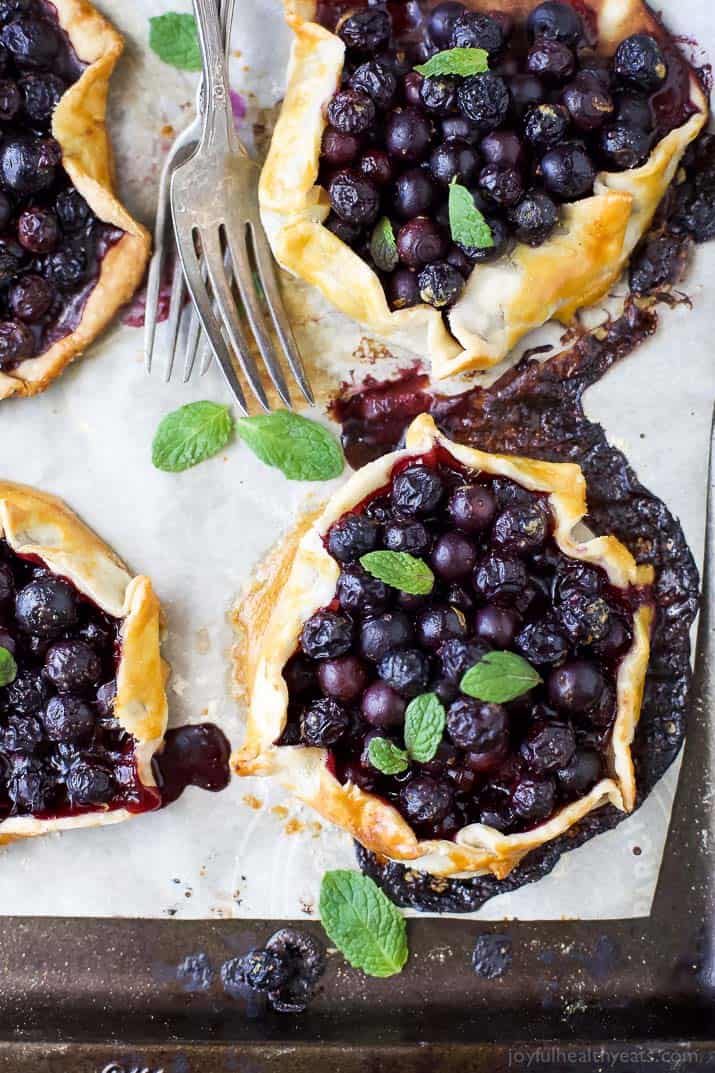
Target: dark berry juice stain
536,409
526,136
285,972
492,956
51,243
195,973
194,755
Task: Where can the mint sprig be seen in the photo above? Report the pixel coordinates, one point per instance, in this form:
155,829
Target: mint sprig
400,570
500,677
424,727
191,434
8,667
456,61
173,37
383,247
363,923
466,222
300,448
386,757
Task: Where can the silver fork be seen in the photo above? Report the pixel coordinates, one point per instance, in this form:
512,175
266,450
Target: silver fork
214,202
164,247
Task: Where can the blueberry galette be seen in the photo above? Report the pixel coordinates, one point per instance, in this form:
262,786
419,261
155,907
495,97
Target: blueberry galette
443,665
82,703
70,254
453,176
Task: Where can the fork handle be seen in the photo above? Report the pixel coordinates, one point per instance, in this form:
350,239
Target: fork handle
217,126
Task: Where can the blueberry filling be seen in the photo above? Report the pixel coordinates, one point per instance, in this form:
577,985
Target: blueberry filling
51,243
525,137
501,583
62,752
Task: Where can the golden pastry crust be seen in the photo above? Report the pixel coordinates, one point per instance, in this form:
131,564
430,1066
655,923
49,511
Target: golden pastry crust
79,126
503,300
38,524
301,577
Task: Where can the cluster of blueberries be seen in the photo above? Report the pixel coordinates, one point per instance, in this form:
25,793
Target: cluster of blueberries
501,583
524,136
50,241
61,749
286,970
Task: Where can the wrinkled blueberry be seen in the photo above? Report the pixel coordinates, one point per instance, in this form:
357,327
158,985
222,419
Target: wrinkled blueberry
69,719
457,656
38,230
263,970
425,800
541,642
29,787
22,733
72,209
485,100
351,537
366,30
384,634
33,41
533,799
440,284
501,579
351,112
521,529
555,20
89,782
354,198
66,268
548,746
545,125
639,60
31,298
376,80
442,20
407,672
474,29
417,490
476,726
41,93
17,343
534,218
360,592
72,666
326,635
624,147
584,617
323,723
502,184
438,93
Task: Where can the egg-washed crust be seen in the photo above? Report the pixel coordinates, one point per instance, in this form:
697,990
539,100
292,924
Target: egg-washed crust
301,578
37,524
502,301
79,126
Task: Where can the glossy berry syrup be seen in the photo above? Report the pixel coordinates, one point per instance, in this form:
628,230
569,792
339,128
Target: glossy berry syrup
51,243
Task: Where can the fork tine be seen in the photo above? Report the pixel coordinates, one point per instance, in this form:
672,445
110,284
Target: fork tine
151,307
251,304
198,344
176,307
223,297
197,289
267,275
192,345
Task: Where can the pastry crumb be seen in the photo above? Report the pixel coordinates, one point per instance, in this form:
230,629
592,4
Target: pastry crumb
252,802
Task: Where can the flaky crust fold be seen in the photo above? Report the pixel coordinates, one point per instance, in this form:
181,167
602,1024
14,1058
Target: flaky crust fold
301,577
79,126
502,301
37,524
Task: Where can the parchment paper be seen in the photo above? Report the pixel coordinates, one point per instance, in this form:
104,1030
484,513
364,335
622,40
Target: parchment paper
251,851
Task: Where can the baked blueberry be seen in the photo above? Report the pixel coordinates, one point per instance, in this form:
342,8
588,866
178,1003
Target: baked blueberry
408,133
420,242
351,112
376,166
376,80
457,656
361,593
425,800
545,125
382,707
436,625
407,671
496,625
542,642
46,607
501,579
21,734
551,60
339,149
25,165
66,268
264,970
474,29
502,184
30,787
354,198
584,617
440,284
580,774
548,746
72,666
576,686
521,529
416,490
588,103
385,633
413,194
412,537
32,41
534,218
38,230
90,783
348,233
31,298
351,537
568,171
525,90
457,128
454,162
438,94
326,635
27,694
624,147
477,726
401,289
639,60
557,21
73,211
41,93
343,679
503,147
17,343
441,22
484,99
69,719
533,798
454,556
323,723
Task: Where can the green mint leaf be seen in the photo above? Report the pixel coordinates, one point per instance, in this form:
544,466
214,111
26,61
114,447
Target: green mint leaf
363,923
500,677
8,667
424,727
383,247
400,570
300,448
191,434
466,222
386,757
456,61
174,39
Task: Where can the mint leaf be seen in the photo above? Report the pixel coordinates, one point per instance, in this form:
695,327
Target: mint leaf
8,667
174,39
363,923
424,727
301,449
383,247
400,570
500,677
456,61
386,757
191,434
468,226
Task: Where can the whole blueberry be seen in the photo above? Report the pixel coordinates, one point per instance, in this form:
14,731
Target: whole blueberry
38,230
534,218
27,694
31,298
10,100
68,718
576,686
457,128
502,147
21,734
496,625
453,162
551,60
499,237
533,798
420,242
568,171
413,194
417,490
580,774
408,133
326,635
588,103
30,787
72,666
437,625
407,671
32,41
424,800
484,99
471,508
548,746
385,633
453,556
17,343
639,60
526,91
440,284
377,81
348,233
557,21
46,607
343,679
401,289
474,29
366,30
457,656
72,210
477,726
501,579
12,259
438,94
264,970
351,537
584,617
66,268
546,125
90,783
502,184
323,723
382,707
41,93
351,112
375,165
624,147
360,592
412,537
338,149
542,642
521,529
354,198
616,639
442,20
